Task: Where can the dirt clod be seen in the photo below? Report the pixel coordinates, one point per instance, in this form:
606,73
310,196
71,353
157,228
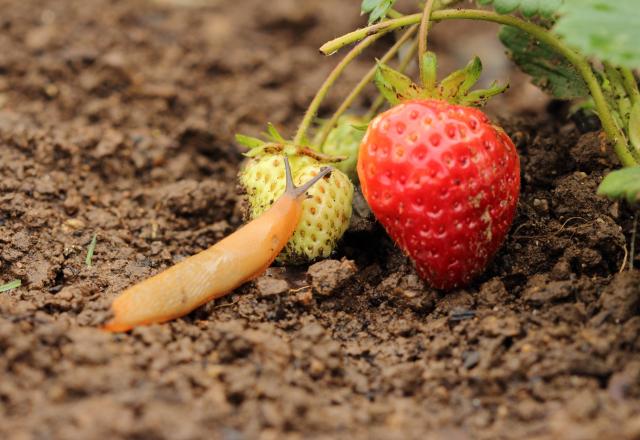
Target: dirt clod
328,276
268,286
621,298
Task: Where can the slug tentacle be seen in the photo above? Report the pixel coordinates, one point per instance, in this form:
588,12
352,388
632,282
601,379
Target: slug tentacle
297,191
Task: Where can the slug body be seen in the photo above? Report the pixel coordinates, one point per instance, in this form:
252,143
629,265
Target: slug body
214,272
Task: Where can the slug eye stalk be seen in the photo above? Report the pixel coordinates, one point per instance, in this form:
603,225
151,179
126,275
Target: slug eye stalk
297,191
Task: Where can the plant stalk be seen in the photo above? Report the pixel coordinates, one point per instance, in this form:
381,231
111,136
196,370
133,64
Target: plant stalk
379,101
392,13
422,36
579,62
322,137
331,79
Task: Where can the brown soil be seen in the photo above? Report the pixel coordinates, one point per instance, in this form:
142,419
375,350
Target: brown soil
116,118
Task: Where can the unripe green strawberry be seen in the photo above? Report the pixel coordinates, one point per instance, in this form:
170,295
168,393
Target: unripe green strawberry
344,140
325,213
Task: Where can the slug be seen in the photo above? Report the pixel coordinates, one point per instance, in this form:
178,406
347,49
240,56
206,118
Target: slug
212,273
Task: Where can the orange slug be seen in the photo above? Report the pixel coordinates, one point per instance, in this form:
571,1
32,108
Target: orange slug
216,271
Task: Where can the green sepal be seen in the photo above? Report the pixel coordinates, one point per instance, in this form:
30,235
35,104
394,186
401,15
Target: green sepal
458,83
624,183
395,86
429,68
273,134
266,148
291,150
249,141
606,30
478,98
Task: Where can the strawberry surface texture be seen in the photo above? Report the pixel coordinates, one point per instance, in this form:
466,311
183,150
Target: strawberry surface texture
326,211
444,182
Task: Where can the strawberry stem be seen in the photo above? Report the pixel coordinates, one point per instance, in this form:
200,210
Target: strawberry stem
581,64
335,45
322,137
324,89
379,101
422,40
630,84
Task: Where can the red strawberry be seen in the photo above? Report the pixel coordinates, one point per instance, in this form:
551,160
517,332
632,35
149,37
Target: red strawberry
444,182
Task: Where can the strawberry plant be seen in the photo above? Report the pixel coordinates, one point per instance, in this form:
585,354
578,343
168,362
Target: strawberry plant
565,39
432,141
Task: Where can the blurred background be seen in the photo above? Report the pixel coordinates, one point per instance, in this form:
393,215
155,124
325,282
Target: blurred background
170,60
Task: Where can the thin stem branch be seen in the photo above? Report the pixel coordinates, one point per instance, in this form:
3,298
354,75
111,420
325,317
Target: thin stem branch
579,62
630,84
335,45
322,137
331,79
392,13
422,36
379,101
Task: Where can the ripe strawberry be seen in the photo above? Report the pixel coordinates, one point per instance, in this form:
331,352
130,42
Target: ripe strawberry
444,183
325,213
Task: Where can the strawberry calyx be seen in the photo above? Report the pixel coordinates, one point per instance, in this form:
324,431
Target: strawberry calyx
275,143
456,88
291,150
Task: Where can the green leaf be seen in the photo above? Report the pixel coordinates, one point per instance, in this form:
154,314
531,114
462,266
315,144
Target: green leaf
624,183
529,8
249,141
377,9
395,86
606,29
549,70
